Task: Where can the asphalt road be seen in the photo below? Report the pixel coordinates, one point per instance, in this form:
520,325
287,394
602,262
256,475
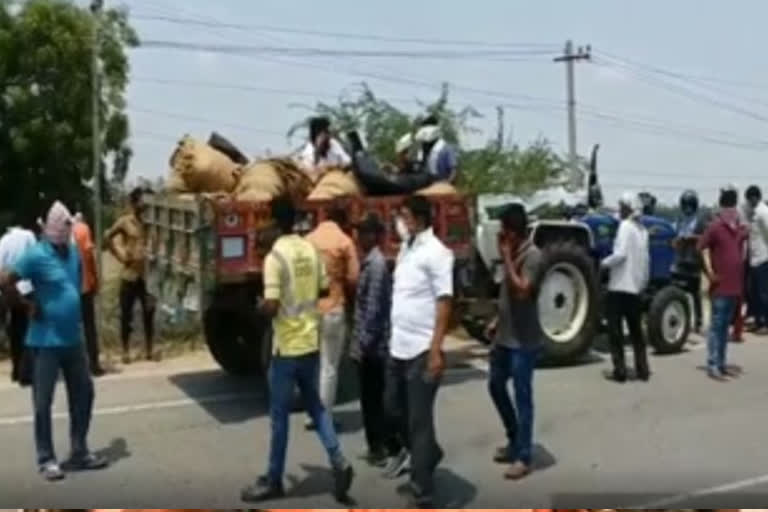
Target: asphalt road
183,435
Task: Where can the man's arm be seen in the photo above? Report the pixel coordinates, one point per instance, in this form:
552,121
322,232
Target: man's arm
441,273
109,240
9,279
270,306
520,282
89,254
619,254
352,272
705,246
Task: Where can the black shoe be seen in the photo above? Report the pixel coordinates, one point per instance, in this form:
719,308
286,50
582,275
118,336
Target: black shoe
376,458
98,371
620,377
398,465
342,482
502,455
262,490
89,462
644,376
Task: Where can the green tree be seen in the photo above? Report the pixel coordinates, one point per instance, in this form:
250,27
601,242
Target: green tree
497,167
45,102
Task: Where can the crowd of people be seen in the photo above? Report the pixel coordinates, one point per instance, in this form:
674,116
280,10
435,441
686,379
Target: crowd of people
321,291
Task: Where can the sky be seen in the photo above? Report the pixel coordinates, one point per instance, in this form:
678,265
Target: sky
675,92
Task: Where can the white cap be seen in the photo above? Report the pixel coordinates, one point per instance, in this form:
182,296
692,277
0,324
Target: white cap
404,143
630,200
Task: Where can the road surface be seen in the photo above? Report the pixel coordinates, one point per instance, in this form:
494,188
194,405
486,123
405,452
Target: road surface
183,435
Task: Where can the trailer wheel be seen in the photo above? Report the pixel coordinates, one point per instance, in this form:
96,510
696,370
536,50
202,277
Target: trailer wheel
235,341
669,320
567,302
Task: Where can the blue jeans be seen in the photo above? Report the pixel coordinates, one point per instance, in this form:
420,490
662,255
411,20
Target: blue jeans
516,364
723,309
73,364
284,373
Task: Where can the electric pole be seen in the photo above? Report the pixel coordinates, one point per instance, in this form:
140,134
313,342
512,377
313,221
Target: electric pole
569,57
96,8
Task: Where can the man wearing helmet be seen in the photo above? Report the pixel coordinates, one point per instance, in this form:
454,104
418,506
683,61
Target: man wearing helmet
690,226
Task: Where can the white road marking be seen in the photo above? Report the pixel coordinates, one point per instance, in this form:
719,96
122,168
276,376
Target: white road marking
147,406
707,491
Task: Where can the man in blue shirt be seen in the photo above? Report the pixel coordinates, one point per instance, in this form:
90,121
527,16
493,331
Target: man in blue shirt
437,157
54,337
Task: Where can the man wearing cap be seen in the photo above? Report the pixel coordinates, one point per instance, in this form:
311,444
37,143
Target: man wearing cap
629,267
370,340
53,267
322,150
437,157
723,246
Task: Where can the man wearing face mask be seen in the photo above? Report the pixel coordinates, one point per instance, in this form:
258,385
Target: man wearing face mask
689,227
53,268
422,301
322,150
437,157
629,267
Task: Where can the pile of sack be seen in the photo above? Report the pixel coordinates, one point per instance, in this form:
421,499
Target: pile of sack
217,168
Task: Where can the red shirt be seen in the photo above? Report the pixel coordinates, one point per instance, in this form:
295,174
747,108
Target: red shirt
726,252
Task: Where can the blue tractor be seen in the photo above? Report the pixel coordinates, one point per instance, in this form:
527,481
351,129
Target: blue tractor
570,290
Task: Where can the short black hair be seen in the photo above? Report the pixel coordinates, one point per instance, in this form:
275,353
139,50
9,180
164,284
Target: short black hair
318,125
729,198
338,214
135,195
371,225
430,120
284,214
514,218
753,192
420,207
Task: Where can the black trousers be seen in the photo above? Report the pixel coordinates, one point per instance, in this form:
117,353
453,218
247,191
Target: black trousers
410,400
21,363
130,292
626,307
694,289
89,327
381,432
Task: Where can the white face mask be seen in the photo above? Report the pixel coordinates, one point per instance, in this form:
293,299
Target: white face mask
401,229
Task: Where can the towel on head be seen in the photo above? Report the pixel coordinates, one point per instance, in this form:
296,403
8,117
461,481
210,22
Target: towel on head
58,224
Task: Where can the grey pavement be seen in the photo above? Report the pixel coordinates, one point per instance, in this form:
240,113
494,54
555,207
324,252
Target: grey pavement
184,435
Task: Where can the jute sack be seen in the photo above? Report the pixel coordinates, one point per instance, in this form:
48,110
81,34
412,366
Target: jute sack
267,179
176,184
440,188
336,183
203,168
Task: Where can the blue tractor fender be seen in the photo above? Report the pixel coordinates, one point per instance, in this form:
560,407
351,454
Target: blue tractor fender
661,235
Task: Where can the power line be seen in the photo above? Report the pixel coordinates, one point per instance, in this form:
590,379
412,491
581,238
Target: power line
207,121
232,49
343,35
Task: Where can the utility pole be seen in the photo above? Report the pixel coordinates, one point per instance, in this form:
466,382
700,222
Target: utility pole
569,57
96,8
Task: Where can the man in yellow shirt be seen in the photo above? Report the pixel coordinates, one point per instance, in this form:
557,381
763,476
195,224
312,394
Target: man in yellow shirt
294,280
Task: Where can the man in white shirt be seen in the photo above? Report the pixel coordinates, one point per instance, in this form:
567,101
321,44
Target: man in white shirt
421,308
629,267
13,245
322,151
757,214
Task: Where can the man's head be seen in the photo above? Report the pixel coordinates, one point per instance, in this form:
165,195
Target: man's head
429,132
284,215
402,149
338,215
514,224
136,200
57,228
729,197
417,214
320,133
370,232
689,202
628,204
753,195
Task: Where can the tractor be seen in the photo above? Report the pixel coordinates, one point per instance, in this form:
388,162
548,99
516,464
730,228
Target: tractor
570,288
